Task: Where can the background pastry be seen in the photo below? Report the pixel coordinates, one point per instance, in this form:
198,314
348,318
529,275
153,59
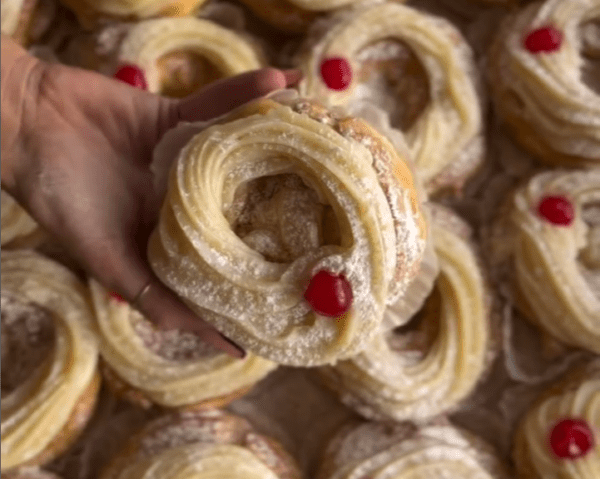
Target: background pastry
168,368
26,20
293,16
92,12
541,83
49,359
16,225
415,66
402,451
550,236
559,436
418,374
176,56
206,444
289,228
30,473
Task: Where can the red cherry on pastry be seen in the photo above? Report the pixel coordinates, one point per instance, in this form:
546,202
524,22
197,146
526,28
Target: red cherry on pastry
571,439
557,210
336,73
117,297
132,75
329,294
545,39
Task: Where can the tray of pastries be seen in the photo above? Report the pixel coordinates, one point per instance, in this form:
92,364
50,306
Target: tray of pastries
406,243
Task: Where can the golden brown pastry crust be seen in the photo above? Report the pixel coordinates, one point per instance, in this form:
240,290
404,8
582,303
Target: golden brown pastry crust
303,134
577,395
209,432
542,96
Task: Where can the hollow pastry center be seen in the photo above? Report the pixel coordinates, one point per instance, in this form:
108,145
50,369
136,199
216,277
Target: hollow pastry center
28,338
392,78
590,72
183,72
173,345
589,256
417,337
282,218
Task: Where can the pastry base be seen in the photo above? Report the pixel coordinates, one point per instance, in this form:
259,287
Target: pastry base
137,397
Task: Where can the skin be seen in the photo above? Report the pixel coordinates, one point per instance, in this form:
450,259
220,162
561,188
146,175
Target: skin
76,151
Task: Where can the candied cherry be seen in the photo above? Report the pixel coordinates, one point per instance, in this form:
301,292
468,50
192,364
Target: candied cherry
571,439
329,294
132,75
336,73
545,39
557,210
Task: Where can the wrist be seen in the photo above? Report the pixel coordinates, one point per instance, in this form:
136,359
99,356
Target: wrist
20,73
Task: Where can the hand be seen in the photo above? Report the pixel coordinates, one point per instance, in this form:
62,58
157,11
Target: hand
82,170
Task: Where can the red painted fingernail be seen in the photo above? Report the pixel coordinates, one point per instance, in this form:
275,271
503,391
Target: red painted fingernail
242,353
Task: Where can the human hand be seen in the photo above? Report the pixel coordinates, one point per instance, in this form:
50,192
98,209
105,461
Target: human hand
83,171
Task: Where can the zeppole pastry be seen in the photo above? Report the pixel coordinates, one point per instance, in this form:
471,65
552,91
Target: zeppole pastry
91,12
16,226
417,68
290,227
549,235
168,368
422,373
559,436
49,359
30,473
539,78
404,451
176,56
202,445
293,16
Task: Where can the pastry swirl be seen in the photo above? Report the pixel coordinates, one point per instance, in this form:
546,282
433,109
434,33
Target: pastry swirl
261,202
15,223
90,12
556,266
201,446
572,398
169,368
403,451
543,95
43,414
385,381
446,136
156,45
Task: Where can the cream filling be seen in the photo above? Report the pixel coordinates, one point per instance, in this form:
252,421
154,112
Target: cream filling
447,134
582,403
194,462
552,95
173,368
14,220
35,412
433,369
11,15
148,42
27,341
432,453
548,269
257,302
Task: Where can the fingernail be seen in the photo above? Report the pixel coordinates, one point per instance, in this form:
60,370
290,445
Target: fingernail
292,76
242,353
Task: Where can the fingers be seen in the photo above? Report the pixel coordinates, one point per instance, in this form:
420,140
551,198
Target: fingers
163,308
226,94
